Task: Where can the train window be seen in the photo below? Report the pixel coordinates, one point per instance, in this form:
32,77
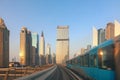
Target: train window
78,60
81,61
70,61
86,61
67,62
106,57
93,60
73,61
87,58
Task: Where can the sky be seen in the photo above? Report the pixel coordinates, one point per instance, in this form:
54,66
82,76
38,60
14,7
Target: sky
46,15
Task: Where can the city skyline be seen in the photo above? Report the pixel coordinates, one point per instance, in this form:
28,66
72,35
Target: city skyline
39,16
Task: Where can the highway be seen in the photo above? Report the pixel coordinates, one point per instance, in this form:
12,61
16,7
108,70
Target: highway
56,72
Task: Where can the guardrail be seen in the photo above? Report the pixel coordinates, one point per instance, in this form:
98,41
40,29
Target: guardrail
41,74
13,73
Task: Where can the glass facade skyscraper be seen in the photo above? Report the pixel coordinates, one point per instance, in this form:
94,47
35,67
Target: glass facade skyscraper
35,49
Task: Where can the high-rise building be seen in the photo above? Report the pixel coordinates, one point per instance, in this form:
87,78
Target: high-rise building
53,58
62,44
98,36
101,36
29,47
83,50
42,50
35,49
48,54
25,47
88,47
110,31
48,49
95,37
4,44
117,28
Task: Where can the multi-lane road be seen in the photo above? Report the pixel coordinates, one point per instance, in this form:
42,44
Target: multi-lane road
56,72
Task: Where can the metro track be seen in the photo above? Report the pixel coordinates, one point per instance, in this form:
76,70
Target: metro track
57,72
62,73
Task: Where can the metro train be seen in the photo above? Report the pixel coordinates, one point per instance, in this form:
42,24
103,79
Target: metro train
101,62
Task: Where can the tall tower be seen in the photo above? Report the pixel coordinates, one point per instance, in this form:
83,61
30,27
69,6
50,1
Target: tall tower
35,49
25,47
42,49
53,58
48,54
117,28
110,31
62,44
48,49
4,44
29,47
95,37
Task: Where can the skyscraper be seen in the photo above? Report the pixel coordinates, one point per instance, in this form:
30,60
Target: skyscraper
110,31
62,44
53,58
101,36
4,44
88,47
35,49
25,47
95,37
42,49
48,54
117,28
83,50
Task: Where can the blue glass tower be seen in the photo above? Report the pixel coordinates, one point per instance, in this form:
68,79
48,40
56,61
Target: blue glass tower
35,49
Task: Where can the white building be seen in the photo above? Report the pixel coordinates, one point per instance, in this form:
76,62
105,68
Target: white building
117,28
42,50
48,54
95,37
62,44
